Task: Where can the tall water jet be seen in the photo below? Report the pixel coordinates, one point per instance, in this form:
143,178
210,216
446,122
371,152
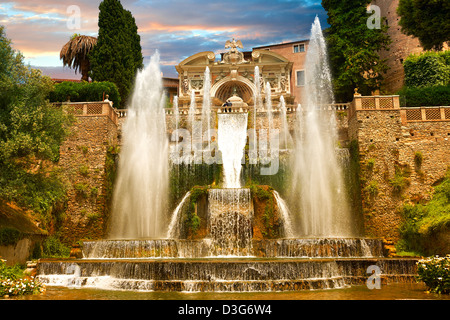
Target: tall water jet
206,107
232,137
177,118
141,189
192,110
284,124
318,191
269,107
256,106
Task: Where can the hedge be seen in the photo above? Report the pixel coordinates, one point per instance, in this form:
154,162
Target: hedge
423,97
85,91
427,69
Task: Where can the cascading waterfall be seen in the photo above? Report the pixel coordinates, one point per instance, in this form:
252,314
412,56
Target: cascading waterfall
140,194
232,137
317,180
172,232
230,258
231,214
285,214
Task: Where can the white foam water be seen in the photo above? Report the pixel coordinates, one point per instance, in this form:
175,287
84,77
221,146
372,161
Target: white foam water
318,191
232,137
141,189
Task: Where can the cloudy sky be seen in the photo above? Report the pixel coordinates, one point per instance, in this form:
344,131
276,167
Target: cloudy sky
178,29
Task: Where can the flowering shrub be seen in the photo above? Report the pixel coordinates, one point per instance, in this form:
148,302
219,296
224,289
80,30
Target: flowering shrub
435,272
11,284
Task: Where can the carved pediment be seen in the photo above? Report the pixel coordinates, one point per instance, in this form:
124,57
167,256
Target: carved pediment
201,58
266,56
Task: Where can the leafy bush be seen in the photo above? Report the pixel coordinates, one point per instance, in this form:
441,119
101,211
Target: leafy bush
9,236
12,282
422,220
427,69
435,272
53,248
193,221
85,92
423,97
372,188
31,130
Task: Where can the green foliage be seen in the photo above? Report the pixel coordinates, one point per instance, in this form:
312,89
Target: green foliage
427,69
372,188
401,179
424,97
13,282
260,192
85,92
117,55
427,20
427,80
435,272
81,189
370,164
422,220
31,130
84,170
53,248
193,221
418,159
9,236
354,48
14,272
43,193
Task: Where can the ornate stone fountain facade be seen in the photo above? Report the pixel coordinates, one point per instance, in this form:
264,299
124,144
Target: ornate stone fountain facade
234,72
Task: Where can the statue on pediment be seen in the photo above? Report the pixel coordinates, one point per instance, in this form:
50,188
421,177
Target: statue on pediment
233,56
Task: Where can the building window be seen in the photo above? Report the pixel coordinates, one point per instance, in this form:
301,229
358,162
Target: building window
300,78
299,48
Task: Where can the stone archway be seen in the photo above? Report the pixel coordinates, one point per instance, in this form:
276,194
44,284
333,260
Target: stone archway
225,88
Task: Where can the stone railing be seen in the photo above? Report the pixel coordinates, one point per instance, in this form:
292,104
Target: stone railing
393,103
122,113
425,114
91,109
373,103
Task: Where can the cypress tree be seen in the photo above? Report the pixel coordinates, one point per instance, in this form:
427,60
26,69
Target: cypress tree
118,53
354,48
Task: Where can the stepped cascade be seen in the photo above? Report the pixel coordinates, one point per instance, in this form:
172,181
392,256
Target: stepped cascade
229,235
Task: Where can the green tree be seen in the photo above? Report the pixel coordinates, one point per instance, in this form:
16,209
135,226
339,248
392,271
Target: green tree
354,48
428,20
118,53
31,130
74,54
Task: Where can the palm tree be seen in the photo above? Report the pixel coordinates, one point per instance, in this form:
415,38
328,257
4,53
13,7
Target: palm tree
75,54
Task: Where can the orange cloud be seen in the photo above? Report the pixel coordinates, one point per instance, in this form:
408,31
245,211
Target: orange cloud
156,26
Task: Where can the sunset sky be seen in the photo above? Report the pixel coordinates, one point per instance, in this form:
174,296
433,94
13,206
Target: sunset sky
177,29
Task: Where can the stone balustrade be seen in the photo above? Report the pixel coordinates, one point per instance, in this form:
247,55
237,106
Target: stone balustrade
122,113
91,109
425,114
373,103
407,114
